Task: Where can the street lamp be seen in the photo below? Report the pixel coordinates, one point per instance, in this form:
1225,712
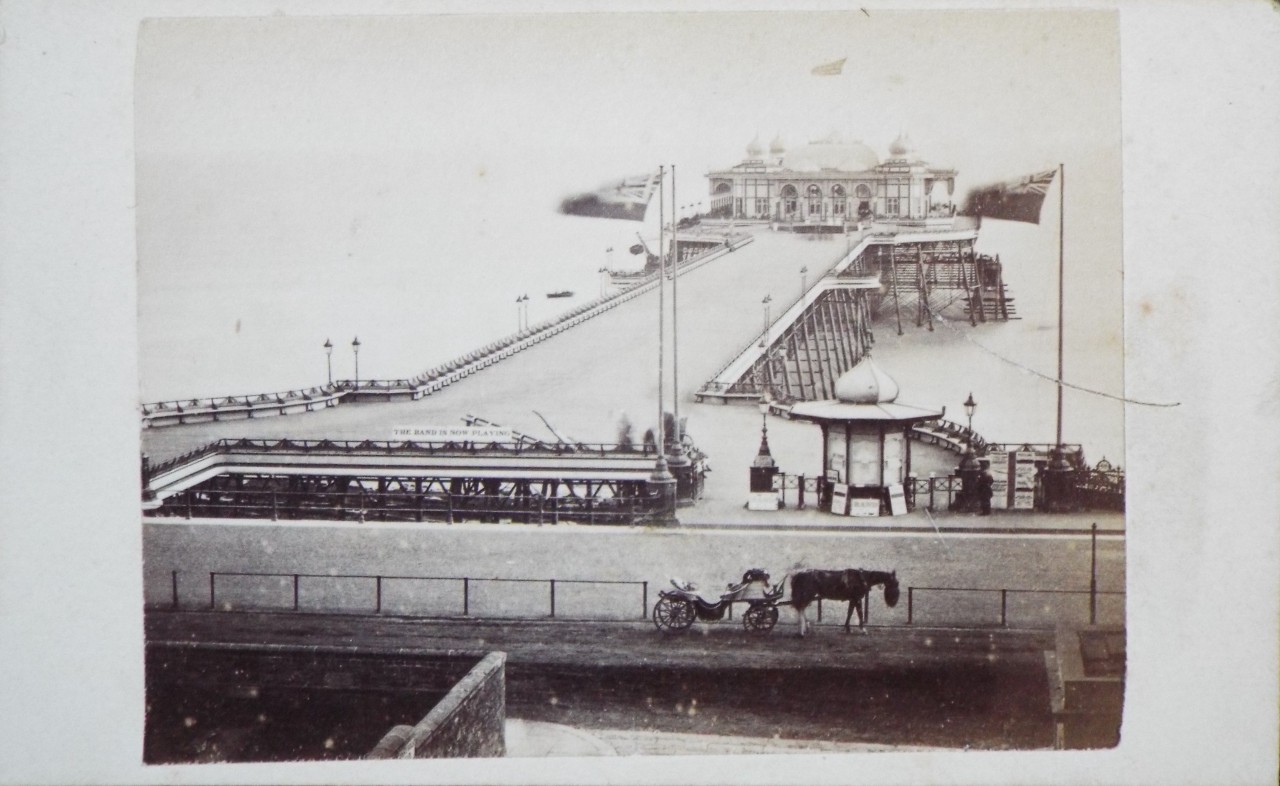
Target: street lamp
969,468
764,334
355,347
804,279
328,358
969,406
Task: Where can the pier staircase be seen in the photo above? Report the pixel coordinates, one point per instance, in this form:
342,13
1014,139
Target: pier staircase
926,279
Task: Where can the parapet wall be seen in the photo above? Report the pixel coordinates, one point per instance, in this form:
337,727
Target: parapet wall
467,723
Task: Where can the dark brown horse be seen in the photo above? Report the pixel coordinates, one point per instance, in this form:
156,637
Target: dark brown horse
851,584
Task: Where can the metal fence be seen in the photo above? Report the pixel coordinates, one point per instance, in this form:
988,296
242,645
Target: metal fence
448,596
361,505
598,600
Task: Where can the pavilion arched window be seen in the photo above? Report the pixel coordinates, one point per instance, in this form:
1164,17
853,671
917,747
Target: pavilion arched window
838,199
790,197
813,195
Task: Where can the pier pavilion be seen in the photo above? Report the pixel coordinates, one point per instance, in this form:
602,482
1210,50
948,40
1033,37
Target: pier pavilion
829,182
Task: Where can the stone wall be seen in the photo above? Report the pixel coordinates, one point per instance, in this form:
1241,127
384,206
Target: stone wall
467,723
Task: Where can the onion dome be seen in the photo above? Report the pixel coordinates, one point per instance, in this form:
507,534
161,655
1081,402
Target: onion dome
754,150
866,383
776,148
901,147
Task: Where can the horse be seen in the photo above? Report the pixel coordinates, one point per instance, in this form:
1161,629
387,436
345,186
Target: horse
851,584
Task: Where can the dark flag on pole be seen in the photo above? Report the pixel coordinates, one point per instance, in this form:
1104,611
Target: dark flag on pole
626,199
1014,200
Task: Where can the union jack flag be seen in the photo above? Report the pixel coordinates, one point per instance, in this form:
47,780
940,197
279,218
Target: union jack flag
626,199
1013,200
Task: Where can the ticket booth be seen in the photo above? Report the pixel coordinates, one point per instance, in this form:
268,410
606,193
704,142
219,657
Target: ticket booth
866,453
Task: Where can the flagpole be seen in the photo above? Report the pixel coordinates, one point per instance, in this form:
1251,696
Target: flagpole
664,484
662,274
675,280
1062,190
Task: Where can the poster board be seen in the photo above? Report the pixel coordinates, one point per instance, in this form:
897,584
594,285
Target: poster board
839,499
864,507
897,500
1022,479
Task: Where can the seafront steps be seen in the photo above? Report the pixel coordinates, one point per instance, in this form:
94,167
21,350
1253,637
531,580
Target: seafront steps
234,407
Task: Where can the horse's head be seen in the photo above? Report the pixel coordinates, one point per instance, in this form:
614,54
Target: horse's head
891,590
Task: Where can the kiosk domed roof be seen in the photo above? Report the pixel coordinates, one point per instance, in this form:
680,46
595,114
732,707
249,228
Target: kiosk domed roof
754,150
866,383
901,146
831,153
776,147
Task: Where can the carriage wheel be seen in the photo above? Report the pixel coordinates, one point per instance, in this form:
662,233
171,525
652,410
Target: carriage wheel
760,618
672,614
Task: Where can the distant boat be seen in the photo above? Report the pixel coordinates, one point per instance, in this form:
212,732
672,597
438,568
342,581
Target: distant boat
561,293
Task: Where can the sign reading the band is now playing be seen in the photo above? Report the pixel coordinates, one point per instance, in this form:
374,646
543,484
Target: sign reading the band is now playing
452,434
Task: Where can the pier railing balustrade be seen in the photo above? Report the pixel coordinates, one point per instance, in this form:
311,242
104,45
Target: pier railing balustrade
434,379
361,505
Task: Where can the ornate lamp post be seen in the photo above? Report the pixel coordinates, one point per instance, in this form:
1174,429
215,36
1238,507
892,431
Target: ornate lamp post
328,359
764,468
355,347
969,467
764,334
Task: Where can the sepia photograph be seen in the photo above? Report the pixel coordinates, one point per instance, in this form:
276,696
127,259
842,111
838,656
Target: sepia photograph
411,392
729,383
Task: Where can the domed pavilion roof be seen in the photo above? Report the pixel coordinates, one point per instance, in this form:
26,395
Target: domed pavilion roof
832,153
864,393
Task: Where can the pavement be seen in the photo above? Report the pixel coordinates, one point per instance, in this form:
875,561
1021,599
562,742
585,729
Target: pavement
538,739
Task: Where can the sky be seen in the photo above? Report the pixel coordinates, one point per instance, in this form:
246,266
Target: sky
396,178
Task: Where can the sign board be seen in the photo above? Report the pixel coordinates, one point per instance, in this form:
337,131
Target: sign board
1022,480
864,507
482,434
897,500
1000,484
839,500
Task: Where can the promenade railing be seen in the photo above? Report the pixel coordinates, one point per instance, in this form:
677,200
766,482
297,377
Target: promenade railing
517,598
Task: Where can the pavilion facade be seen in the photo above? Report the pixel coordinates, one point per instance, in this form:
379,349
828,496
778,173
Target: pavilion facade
831,181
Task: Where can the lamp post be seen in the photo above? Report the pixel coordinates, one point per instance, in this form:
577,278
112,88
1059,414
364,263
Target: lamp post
764,334
969,468
328,359
764,468
804,279
355,347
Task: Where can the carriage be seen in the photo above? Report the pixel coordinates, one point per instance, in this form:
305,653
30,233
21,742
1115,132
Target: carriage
676,609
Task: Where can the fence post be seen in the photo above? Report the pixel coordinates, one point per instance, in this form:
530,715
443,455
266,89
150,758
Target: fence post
553,598
175,590
819,609
295,592
911,591
275,508
211,590
1093,574
800,494
932,506
466,597
449,499
644,600
378,609
1004,608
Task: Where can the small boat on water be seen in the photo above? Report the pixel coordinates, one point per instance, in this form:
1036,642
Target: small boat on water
561,293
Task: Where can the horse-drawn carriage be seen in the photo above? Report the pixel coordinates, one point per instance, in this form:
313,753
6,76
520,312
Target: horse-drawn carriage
677,608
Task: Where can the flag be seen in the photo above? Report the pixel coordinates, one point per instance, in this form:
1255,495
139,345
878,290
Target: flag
627,199
830,69
1014,200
